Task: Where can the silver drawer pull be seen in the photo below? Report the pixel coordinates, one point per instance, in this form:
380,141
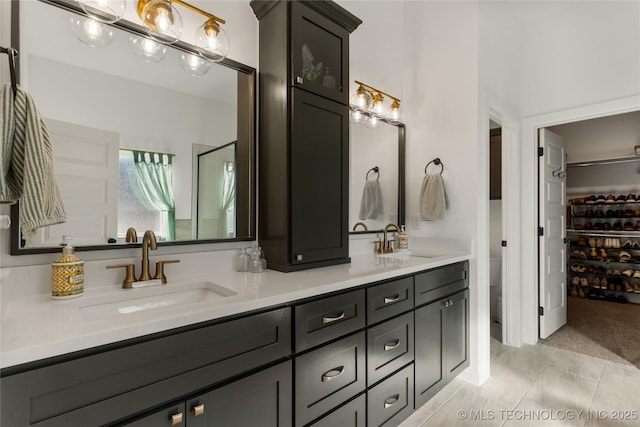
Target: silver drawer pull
332,374
328,319
391,299
391,400
392,344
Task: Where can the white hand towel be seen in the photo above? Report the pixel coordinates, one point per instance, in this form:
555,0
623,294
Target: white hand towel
26,168
433,198
371,202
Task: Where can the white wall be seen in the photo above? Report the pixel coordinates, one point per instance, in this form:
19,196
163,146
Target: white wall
581,62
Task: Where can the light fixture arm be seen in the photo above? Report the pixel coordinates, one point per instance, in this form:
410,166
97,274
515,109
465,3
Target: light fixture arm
198,10
142,4
378,91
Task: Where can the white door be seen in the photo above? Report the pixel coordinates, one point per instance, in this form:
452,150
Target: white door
86,162
552,215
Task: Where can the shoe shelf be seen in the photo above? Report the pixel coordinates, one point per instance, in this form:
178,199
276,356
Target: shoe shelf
605,269
605,216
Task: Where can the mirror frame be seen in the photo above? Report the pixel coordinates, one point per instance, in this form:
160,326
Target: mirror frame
402,134
246,178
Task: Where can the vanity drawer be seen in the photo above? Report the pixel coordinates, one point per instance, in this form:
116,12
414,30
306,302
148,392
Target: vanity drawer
389,299
391,401
353,414
99,388
440,282
389,347
328,376
323,320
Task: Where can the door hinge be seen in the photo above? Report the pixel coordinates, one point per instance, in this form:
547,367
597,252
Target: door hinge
540,231
567,241
540,151
540,311
504,243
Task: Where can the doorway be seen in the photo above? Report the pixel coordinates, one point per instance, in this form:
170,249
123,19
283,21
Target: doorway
495,229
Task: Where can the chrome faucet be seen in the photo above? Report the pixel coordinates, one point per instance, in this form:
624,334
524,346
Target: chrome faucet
148,241
386,244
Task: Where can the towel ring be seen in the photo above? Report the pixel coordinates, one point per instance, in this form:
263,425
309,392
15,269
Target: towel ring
436,162
374,169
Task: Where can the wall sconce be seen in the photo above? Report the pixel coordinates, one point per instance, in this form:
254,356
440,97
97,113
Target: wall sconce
367,105
164,23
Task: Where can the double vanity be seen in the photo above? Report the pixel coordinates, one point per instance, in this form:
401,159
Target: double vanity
359,344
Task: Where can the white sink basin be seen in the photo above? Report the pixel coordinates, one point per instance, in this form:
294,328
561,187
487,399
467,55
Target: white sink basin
152,298
409,253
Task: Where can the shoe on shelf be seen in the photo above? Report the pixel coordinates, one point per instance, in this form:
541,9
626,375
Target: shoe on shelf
598,226
628,226
624,256
595,283
588,226
618,287
593,253
592,242
578,213
636,212
599,242
599,213
599,199
588,212
619,213
617,226
610,213
636,274
636,245
577,226
610,198
621,299
621,199
636,288
627,287
575,280
603,254
627,244
574,267
606,226
584,282
607,243
580,292
631,198
628,213
574,291
627,272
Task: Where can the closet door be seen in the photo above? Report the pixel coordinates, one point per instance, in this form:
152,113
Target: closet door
553,251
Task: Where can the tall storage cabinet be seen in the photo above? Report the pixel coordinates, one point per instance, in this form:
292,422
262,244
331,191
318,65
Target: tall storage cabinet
304,133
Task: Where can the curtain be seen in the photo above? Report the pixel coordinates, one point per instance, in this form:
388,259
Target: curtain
228,197
154,172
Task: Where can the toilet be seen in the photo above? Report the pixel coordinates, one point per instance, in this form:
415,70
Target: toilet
495,290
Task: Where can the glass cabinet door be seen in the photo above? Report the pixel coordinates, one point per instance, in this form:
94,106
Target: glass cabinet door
320,54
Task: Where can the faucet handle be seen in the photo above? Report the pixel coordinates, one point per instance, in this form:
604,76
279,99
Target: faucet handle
130,274
160,269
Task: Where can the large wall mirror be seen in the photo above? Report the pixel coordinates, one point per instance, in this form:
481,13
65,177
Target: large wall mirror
377,170
116,120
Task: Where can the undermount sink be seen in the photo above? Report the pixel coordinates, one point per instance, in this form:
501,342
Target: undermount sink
155,298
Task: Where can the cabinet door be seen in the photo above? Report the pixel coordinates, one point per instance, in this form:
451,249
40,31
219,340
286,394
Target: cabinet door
172,416
391,401
263,399
456,334
389,347
319,179
430,377
320,52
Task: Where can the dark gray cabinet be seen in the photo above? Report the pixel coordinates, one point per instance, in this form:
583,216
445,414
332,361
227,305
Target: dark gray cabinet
126,379
391,401
267,394
389,347
304,132
441,343
352,414
389,299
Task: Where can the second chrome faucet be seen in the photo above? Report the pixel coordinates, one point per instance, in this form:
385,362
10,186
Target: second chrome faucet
149,242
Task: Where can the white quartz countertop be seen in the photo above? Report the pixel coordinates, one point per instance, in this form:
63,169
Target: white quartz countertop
39,327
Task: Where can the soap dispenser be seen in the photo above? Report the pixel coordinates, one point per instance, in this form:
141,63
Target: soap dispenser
67,274
403,240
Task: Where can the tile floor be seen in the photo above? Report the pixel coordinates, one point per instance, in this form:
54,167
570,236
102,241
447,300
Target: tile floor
539,385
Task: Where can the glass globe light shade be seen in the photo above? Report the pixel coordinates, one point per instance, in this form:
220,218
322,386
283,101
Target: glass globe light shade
213,41
163,21
362,99
372,122
378,105
107,11
91,32
394,112
194,64
357,117
147,49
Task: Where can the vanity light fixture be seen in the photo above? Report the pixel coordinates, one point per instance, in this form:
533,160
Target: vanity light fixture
371,101
107,11
147,49
194,64
165,25
91,32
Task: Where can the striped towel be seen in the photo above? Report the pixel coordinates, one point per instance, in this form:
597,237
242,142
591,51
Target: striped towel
26,167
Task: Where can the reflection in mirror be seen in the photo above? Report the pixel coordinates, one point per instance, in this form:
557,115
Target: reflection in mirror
380,147
142,144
